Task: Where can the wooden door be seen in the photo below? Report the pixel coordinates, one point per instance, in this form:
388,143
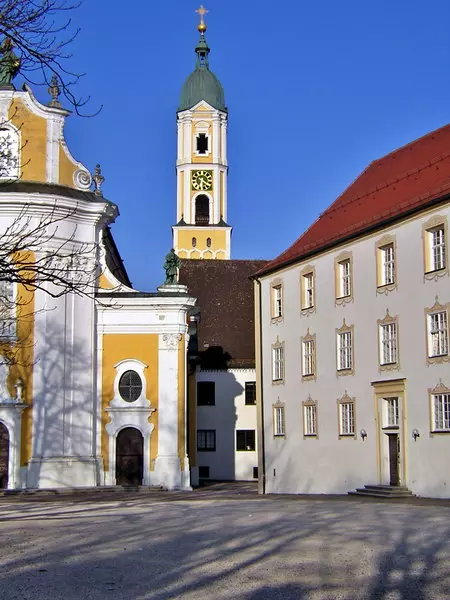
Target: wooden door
129,457
394,458
4,456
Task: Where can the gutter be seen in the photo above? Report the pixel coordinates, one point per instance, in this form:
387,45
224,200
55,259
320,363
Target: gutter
259,388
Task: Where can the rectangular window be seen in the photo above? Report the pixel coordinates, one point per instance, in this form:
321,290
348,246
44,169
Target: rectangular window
387,264
310,419
206,440
441,412
392,412
278,363
344,351
388,343
206,393
308,358
202,143
347,418
278,421
250,393
307,290
203,472
277,301
245,440
437,334
345,278
437,254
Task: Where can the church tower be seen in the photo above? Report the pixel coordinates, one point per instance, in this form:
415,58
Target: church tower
201,230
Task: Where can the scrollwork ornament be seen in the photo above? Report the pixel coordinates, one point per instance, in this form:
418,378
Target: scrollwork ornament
82,179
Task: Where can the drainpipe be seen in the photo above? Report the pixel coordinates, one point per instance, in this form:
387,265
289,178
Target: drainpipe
259,388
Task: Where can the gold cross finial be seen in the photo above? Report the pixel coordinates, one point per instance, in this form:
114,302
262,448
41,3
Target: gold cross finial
202,12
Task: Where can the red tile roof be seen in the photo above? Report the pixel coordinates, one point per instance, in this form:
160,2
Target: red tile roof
391,187
224,295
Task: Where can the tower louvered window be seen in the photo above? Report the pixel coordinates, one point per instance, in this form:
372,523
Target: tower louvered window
202,210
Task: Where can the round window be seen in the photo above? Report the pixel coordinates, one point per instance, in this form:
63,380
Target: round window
130,386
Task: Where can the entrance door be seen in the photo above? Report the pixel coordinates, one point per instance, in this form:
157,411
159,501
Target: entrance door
394,458
4,456
129,457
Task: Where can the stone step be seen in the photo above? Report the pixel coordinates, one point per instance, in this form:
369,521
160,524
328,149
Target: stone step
99,490
383,491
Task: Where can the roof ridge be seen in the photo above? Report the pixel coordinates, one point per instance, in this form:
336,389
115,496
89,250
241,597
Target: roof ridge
332,208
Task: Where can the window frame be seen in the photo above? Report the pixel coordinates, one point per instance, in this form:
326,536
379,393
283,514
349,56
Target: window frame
246,433
383,285
305,306
383,325
279,420
391,407
204,385
440,390
345,330
205,432
278,347
346,401
276,301
250,401
342,259
309,409
437,308
431,271
310,341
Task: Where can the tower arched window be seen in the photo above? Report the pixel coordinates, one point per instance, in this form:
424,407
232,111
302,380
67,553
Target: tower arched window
208,242
202,210
194,242
9,153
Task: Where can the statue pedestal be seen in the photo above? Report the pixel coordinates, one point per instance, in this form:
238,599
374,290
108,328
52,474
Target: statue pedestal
172,288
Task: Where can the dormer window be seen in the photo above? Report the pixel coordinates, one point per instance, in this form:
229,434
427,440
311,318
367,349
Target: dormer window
202,143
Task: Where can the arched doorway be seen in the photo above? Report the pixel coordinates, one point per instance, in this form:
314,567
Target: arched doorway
129,457
4,456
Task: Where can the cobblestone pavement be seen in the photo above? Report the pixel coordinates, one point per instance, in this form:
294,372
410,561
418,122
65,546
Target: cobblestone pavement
220,543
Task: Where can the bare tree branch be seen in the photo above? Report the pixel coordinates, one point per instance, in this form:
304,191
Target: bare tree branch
42,31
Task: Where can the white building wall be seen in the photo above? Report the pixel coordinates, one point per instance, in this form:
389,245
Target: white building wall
327,464
228,415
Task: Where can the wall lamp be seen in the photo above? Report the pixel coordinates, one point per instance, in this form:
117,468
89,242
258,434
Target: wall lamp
415,434
363,434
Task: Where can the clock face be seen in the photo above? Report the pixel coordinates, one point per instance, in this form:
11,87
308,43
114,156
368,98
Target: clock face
202,180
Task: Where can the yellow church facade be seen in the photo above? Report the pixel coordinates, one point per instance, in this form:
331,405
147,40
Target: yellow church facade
92,372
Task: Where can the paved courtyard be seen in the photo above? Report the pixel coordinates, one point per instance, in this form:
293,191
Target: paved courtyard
229,545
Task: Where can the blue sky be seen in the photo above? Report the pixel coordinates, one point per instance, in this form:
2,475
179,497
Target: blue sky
315,91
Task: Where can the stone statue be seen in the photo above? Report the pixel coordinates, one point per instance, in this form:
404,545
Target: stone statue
171,266
9,63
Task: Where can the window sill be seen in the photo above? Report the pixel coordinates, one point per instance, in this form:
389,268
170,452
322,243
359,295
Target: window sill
347,436
277,381
275,320
438,359
206,450
385,288
341,300
310,436
279,435
344,372
435,274
440,432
